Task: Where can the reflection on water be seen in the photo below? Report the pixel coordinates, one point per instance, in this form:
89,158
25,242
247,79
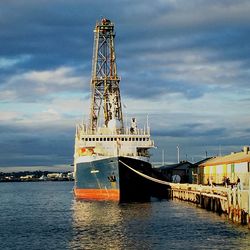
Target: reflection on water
155,225
101,225
46,216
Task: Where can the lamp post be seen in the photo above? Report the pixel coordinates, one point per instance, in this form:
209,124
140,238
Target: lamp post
163,157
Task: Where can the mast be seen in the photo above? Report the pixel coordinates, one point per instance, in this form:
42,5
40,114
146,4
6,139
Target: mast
105,101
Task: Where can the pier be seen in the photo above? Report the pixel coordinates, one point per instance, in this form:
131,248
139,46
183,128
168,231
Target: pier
233,202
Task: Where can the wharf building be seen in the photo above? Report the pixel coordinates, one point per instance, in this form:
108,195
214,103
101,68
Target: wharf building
235,166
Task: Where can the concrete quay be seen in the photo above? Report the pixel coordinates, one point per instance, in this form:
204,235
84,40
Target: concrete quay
233,202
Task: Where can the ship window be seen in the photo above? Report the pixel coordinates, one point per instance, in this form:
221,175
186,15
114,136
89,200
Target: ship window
97,139
122,139
126,139
129,139
89,139
100,139
140,139
107,139
104,139
93,139
86,139
133,139
147,139
143,139
115,139
136,139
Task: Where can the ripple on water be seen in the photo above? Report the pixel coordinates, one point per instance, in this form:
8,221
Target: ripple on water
46,216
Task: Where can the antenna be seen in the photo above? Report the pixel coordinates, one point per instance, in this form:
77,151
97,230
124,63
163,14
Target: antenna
147,125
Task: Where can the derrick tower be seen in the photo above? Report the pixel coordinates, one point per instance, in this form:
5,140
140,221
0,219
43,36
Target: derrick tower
106,100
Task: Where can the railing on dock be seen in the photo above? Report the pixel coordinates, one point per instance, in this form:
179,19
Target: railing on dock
231,201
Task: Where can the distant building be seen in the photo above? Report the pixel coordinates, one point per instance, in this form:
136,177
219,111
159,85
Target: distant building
52,176
233,166
179,172
194,171
26,177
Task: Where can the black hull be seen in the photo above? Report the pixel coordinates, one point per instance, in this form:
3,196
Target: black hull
134,187
129,186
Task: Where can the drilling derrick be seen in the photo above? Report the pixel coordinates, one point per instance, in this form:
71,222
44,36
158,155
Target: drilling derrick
106,100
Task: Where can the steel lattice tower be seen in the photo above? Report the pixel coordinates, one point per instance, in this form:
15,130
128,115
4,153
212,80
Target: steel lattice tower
106,100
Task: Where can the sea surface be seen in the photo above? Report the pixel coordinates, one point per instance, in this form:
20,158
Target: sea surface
44,215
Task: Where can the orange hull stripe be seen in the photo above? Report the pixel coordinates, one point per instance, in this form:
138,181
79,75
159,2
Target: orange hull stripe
97,194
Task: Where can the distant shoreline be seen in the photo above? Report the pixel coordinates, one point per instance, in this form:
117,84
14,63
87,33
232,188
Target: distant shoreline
36,176
5,181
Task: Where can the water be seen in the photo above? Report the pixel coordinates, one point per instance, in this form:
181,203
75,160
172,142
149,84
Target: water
45,215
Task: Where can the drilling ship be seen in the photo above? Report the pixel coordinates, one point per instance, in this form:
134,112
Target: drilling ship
110,159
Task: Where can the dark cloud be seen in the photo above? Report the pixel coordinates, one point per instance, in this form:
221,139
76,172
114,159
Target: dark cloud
35,146
60,33
195,146
189,48
191,131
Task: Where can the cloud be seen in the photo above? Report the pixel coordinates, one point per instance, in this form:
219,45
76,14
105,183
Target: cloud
171,47
191,131
185,63
34,145
32,86
10,62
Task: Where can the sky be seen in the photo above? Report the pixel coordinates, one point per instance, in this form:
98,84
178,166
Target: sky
184,64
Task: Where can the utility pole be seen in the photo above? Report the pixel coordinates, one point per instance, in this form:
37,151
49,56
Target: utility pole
178,154
163,158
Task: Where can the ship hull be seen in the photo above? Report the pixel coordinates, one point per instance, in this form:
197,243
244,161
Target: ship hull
110,179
